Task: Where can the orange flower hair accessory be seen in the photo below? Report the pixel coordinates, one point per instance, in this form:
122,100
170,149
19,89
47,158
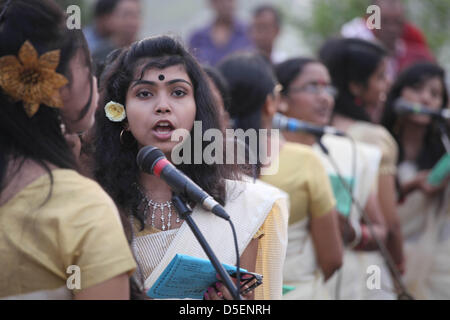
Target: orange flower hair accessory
32,79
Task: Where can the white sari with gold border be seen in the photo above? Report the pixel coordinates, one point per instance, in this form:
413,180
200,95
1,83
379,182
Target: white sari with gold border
425,223
301,270
250,206
350,281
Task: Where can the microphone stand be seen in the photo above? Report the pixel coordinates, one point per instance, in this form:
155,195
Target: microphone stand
403,295
185,213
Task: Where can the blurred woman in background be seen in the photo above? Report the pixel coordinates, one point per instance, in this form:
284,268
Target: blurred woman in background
314,250
424,203
358,71
308,95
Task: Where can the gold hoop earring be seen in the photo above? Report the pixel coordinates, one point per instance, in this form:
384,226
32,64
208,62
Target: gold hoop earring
124,141
121,136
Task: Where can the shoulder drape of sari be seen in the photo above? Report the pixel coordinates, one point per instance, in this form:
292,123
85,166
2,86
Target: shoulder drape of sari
301,270
364,164
377,135
249,206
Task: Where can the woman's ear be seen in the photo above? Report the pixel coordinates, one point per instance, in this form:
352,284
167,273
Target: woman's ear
283,106
270,106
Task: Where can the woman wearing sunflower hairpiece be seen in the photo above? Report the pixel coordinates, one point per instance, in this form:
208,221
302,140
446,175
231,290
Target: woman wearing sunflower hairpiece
60,234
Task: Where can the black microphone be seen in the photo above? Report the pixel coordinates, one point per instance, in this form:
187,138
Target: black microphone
153,161
290,124
402,106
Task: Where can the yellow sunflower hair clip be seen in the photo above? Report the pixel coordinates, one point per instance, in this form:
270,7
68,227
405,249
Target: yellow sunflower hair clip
32,79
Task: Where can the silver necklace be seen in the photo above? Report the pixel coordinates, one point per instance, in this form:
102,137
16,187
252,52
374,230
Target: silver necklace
163,207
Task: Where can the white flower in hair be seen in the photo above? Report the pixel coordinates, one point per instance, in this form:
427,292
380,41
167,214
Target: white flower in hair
115,111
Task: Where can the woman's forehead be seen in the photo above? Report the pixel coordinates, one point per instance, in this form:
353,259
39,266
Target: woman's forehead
155,73
314,71
427,80
433,81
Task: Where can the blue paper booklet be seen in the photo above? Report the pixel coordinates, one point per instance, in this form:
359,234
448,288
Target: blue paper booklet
186,277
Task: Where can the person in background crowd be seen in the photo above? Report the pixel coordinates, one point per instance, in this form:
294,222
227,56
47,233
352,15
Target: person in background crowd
55,224
223,36
127,21
116,25
358,71
308,95
404,42
264,31
424,204
100,30
314,249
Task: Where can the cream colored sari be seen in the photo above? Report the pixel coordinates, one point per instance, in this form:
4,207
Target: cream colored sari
301,270
426,229
250,205
350,281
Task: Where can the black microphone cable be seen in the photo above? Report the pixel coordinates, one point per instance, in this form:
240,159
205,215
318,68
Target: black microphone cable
403,295
238,271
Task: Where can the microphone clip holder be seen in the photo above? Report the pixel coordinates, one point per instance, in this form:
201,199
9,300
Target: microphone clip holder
185,211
